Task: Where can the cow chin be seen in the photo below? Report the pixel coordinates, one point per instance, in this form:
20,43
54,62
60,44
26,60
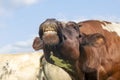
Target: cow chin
50,38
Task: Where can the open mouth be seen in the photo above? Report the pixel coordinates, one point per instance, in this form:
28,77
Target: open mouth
50,30
50,36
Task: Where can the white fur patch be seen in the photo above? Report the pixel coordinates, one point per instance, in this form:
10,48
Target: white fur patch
113,27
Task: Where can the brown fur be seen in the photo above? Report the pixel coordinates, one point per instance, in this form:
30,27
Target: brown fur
105,59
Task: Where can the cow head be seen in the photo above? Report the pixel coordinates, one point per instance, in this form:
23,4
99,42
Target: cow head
94,40
60,38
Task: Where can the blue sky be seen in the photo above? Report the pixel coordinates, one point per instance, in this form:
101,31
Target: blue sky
20,19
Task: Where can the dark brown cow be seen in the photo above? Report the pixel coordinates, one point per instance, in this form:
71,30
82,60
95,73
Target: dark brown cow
98,56
61,39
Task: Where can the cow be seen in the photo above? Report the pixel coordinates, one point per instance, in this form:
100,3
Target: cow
61,40
103,54
28,66
93,50
20,66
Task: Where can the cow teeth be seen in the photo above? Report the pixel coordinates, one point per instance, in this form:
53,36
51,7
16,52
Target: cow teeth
50,32
49,29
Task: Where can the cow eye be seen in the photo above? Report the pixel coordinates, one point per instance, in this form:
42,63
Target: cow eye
75,28
80,36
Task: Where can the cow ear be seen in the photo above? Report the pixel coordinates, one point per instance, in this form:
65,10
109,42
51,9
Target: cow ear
37,44
96,40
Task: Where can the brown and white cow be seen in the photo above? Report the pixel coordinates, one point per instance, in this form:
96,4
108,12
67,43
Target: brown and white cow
23,66
93,52
27,66
103,54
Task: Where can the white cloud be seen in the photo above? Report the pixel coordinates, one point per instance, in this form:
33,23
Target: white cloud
6,6
19,3
21,46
